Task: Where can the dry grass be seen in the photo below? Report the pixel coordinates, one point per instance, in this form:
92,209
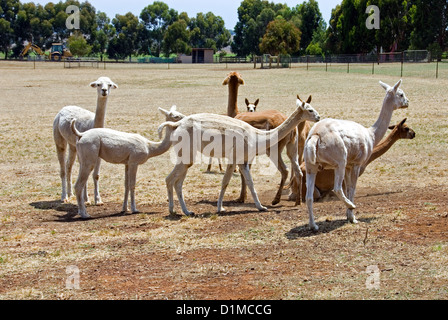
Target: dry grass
240,255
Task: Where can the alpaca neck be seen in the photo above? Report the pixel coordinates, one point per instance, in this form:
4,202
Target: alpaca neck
158,148
380,127
384,146
100,114
232,106
279,133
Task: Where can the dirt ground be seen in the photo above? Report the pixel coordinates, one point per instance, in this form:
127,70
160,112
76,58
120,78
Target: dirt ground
242,254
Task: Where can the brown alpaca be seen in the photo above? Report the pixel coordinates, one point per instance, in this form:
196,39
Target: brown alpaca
268,120
234,80
325,178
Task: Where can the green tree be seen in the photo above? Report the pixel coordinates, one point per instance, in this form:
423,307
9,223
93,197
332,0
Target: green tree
208,31
176,38
254,17
78,45
126,41
430,24
8,13
103,34
282,37
311,20
156,18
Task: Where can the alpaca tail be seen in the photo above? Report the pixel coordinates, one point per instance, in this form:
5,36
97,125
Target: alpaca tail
310,154
74,130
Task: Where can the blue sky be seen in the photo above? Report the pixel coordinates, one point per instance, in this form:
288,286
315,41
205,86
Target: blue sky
227,9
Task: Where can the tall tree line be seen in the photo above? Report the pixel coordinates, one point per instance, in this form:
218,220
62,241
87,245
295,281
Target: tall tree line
263,27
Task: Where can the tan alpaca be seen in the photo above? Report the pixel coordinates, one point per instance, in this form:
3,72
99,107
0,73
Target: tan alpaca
63,134
268,120
325,178
345,147
115,147
233,80
234,140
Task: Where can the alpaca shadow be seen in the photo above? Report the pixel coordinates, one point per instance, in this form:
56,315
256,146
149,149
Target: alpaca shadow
248,208
71,211
324,227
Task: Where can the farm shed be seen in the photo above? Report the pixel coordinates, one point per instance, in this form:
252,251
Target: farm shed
202,55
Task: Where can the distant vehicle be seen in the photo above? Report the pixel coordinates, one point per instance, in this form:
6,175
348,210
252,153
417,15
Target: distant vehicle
57,53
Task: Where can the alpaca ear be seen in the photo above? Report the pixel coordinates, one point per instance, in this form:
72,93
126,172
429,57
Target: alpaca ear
384,85
163,111
256,102
94,84
114,86
309,99
173,108
403,121
299,98
391,127
247,102
397,85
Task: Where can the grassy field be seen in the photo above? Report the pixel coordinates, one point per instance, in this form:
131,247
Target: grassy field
243,254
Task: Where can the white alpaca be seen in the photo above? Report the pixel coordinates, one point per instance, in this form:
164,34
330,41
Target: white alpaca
63,134
346,146
115,147
224,137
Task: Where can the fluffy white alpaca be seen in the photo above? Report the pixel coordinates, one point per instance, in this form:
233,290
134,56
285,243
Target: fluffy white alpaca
64,136
115,147
346,147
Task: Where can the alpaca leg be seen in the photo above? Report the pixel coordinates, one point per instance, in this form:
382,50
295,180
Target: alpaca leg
339,174
96,178
209,168
132,182
70,161
310,183
126,189
250,183
296,172
178,187
243,192
84,172
225,182
281,166
60,149
170,179
351,181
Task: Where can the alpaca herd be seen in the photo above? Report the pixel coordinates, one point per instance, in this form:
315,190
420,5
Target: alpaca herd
325,155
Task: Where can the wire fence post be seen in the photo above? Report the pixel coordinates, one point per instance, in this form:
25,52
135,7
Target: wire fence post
373,67
402,63
437,69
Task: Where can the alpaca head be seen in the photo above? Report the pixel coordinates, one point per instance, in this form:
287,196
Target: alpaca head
172,115
233,78
309,113
104,86
252,107
396,95
403,131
